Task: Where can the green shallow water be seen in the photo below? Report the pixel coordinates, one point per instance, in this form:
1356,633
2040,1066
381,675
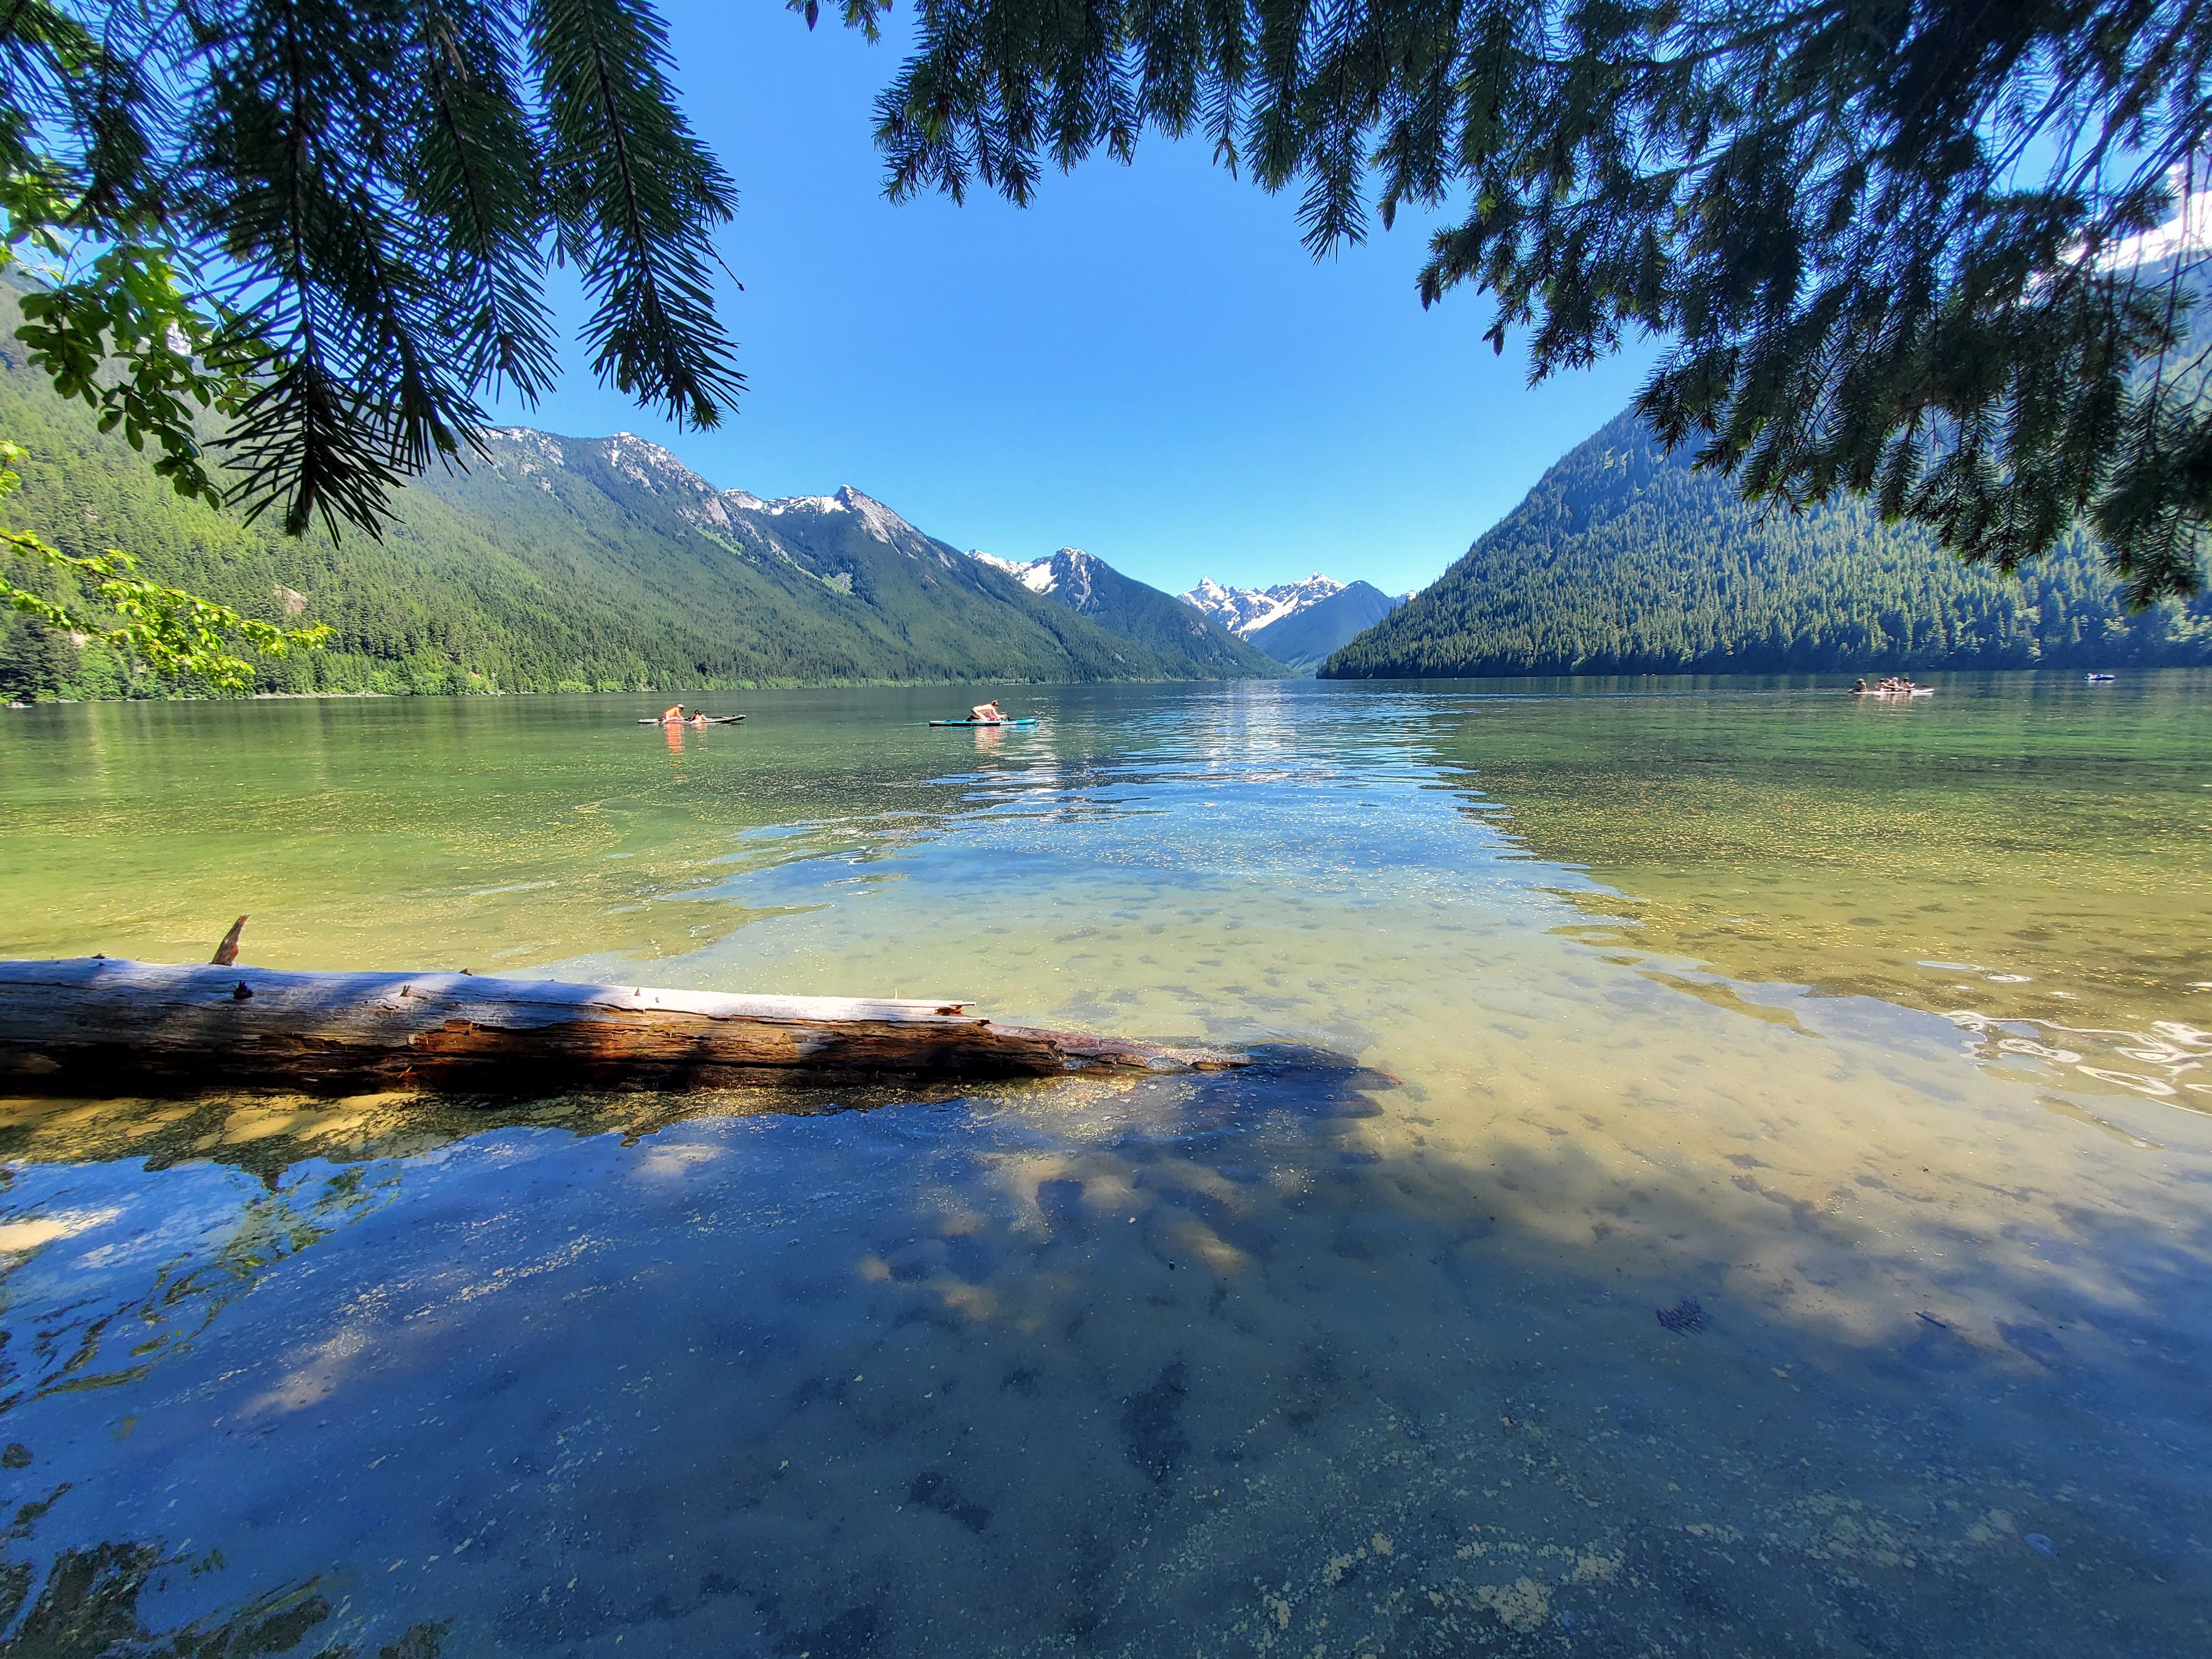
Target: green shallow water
1866,1044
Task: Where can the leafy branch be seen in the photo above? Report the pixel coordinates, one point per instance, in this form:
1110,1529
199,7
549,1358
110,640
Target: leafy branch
176,634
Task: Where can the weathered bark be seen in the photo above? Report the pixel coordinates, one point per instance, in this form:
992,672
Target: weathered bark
227,952
92,1024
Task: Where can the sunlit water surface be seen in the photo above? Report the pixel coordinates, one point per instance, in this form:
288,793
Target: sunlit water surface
1728,1174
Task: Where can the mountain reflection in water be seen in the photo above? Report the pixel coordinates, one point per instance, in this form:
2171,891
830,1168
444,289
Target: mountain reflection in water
1353,1357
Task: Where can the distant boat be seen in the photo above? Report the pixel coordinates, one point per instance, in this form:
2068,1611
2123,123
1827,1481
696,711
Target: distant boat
2101,680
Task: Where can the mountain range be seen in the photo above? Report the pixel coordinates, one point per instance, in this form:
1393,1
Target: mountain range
1297,623
1168,628
1624,559
558,563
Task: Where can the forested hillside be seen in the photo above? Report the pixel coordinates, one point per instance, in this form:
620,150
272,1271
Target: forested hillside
1624,560
556,563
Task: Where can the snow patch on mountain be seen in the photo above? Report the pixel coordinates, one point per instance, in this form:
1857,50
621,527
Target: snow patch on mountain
880,522
657,470
542,444
883,524
2187,231
1074,572
1040,575
1245,611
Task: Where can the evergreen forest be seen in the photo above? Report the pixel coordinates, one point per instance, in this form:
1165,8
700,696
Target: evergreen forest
1625,560
553,564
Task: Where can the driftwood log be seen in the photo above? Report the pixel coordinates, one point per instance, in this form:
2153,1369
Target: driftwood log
90,1024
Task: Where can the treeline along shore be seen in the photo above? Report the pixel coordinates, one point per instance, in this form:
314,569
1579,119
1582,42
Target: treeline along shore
1625,560
567,564
559,564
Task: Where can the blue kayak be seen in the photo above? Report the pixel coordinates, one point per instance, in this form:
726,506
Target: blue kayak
1025,720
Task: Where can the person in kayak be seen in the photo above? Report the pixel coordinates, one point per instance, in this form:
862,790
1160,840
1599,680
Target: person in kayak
986,713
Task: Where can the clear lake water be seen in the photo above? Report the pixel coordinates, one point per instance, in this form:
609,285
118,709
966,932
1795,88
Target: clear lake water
1728,1172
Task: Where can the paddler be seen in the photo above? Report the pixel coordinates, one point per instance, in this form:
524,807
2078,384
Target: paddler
672,715
986,713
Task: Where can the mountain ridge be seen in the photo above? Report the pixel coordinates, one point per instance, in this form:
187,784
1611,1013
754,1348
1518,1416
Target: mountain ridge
1624,559
1299,623
1245,611
556,563
1306,638
1171,630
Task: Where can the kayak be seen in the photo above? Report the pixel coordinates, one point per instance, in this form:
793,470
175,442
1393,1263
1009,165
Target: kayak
711,720
1916,691
1025,721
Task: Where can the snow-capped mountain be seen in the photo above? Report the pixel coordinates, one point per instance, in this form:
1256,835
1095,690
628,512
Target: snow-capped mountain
1299,623
613,545
1246,610
1092,588
2187,230
1078,580
643,465
861,550
1037,575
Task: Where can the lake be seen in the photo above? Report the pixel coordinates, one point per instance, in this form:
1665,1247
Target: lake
1726,1173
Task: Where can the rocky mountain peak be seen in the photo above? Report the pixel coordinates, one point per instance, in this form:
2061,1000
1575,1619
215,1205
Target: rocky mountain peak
1245,611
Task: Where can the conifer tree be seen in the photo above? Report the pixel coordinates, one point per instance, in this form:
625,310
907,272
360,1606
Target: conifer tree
1911,249
329,222
1908,249
323,226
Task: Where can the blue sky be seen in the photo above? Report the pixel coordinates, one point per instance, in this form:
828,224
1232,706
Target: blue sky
1145,364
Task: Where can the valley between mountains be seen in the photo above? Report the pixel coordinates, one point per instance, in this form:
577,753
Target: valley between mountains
556,563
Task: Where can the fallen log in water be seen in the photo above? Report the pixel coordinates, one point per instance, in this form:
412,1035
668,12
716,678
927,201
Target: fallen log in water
91,1024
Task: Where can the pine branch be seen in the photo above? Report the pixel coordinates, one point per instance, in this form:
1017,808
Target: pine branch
636,198
475,175
1833,209
293,153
